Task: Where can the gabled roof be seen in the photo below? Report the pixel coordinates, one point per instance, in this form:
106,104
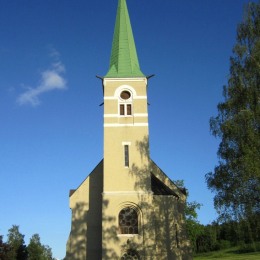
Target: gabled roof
162,184
97,170
124,60
159,188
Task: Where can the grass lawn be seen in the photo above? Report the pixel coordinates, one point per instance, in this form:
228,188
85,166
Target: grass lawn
228,254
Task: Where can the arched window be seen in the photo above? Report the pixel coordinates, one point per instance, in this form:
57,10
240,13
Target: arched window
130,254
125,103
128,221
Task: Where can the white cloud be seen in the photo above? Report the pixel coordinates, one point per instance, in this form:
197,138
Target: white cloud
51,79
54,53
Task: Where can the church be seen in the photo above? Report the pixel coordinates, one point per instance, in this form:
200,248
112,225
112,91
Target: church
127,207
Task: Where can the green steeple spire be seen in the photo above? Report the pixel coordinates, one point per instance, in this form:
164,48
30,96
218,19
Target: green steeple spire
123,61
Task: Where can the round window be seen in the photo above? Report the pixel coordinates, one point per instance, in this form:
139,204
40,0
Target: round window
125,94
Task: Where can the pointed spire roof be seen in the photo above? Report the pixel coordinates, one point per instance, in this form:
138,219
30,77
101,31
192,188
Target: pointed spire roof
123,61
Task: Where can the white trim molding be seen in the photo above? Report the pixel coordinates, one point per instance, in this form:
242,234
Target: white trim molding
116,98
116,115
126,143
123,125
124,80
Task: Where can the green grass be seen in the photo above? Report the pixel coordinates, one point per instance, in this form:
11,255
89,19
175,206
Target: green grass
228,254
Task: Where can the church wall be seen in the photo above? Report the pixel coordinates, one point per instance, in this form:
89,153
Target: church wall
116,82
86,207
169,228
115,243
161,227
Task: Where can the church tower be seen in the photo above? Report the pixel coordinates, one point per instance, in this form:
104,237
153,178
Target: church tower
127,207
127,182
125,112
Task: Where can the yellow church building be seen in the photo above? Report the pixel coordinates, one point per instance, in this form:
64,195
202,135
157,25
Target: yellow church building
127,207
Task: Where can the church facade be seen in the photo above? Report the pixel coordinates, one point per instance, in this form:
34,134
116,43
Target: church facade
127,207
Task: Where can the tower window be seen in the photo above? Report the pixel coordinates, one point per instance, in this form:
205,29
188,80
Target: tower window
125,103
125,109
128,109
126,147
128,221
125,94
122,110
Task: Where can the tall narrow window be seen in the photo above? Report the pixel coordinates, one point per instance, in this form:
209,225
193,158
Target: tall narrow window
122,110
126,147
129,109
125,109
128,221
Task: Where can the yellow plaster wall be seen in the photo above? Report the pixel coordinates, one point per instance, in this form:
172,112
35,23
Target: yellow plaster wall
114,243
170,241
119,130
85,240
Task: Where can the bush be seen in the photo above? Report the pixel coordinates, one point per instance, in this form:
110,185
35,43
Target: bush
247,248
222,244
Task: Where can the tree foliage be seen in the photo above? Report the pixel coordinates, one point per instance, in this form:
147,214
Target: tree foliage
217,236
193,227
4,248
15,249
236,180
37,251
17,246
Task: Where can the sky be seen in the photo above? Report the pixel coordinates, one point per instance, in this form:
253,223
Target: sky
51,124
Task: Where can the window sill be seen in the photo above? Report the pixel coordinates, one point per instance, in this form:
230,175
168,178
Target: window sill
127,235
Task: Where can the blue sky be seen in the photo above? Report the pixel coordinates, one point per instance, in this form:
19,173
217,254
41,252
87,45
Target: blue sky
51,125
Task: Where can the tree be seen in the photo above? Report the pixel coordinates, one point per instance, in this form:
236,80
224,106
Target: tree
4,249
47,252
193,227
37,251
16,243
236,180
